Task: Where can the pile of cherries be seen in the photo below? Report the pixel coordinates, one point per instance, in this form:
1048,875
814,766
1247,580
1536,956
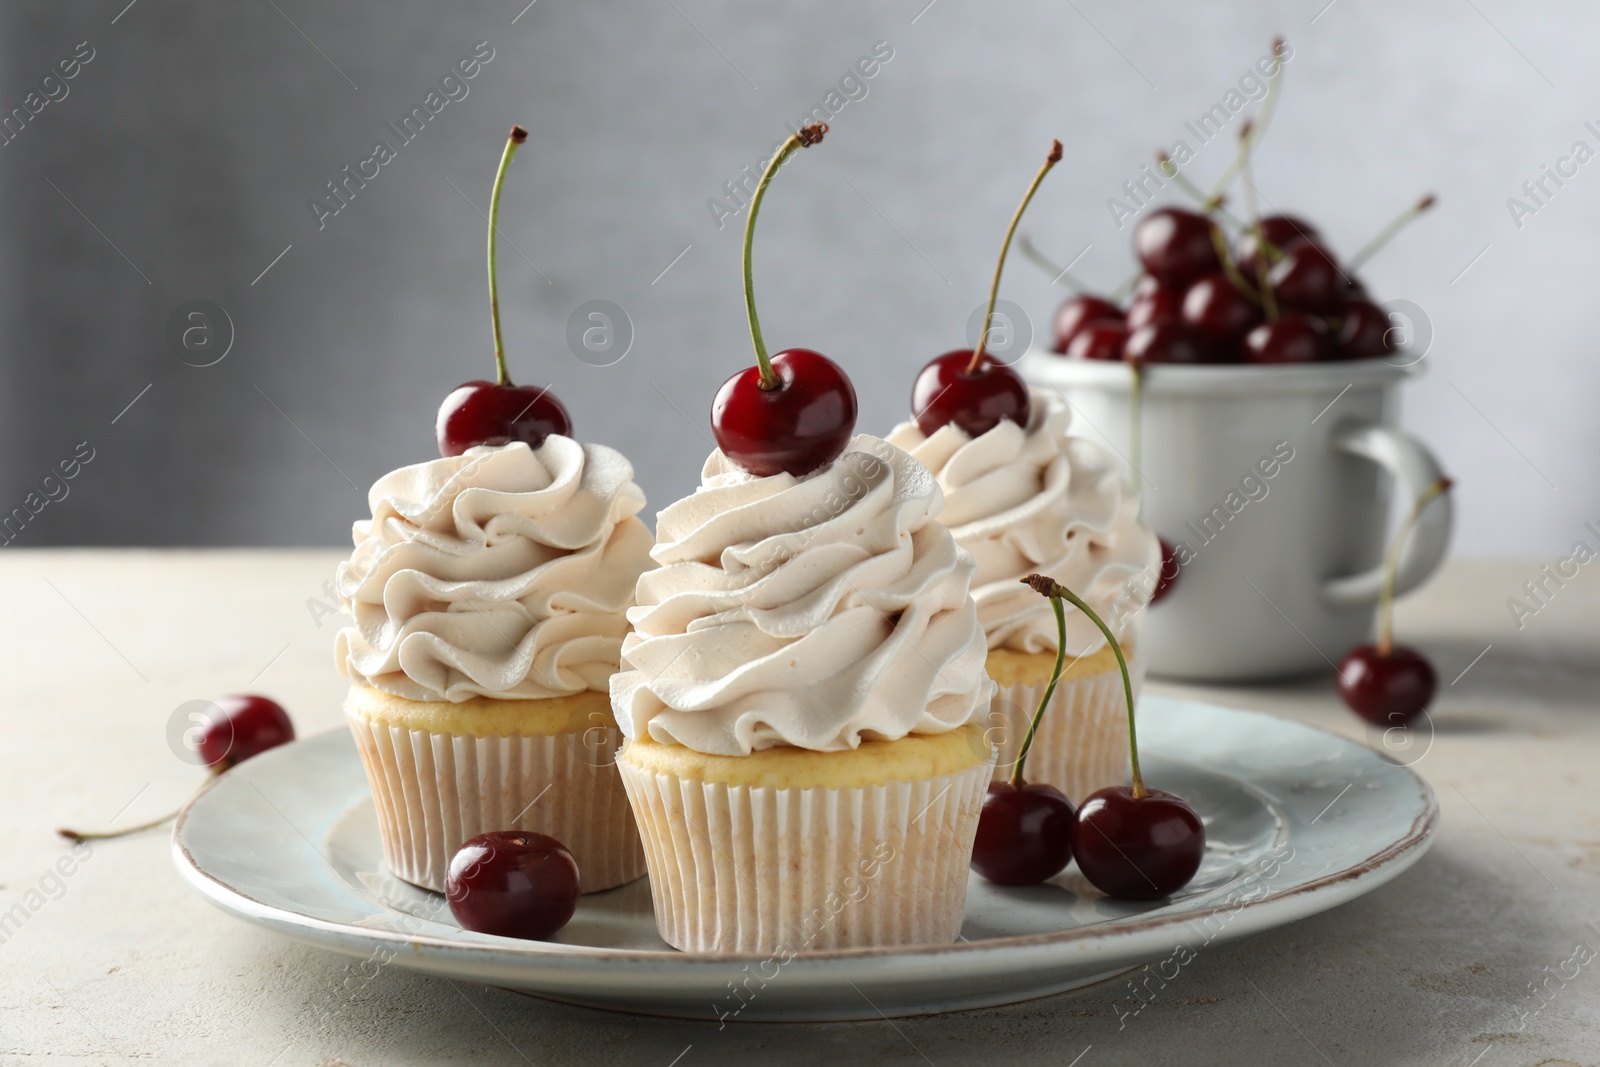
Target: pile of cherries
1280,297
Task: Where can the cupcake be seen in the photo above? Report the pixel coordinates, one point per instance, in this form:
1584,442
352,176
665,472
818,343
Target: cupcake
1035,499
489,592
803,694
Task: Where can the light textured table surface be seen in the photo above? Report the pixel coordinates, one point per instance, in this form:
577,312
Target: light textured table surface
119,961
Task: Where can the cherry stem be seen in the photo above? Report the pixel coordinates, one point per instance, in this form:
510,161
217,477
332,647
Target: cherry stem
1044,702
1136,428
518,135
1057,272
1046,586
994,288
1269,303
1230,268
1392,565
1268,105
805,137
1385,235
1211,205
106,835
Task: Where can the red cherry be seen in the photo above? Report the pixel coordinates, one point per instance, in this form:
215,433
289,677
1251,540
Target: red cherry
1282,232
1386,690
1308,279
1099,340
483,413
1214,307
1024,833
244,726
1294,338
1171,568
802,425
1137,848
1175,245
514,884
1154,303
1077,312
1168,342
1365,331
945,393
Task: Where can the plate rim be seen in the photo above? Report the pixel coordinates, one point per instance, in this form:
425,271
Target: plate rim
1371,872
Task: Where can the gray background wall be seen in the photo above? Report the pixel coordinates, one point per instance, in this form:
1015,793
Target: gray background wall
185,153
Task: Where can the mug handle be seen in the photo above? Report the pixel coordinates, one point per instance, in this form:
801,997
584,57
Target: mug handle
1413,468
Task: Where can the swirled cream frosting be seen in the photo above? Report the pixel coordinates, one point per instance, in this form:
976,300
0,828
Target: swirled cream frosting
814,612
503,572
1037,500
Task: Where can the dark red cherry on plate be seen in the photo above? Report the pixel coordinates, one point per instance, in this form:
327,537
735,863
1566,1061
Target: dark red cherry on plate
244,725
1103,340
1176,246
1169,342
1077,312
1365,331
513,883
485,413
1024,833
1282,232
1137,848
1154,303
1386,690
1308,279
802,424
1294,338
945,393
1171,568
1216,308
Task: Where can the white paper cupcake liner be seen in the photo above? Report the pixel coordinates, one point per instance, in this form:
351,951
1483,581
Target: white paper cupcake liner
1082,743
434,791
761,869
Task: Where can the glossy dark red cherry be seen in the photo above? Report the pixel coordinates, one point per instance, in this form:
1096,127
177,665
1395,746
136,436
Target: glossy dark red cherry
803,424
1168,342
1282,232
1294,338
1308,279
1386,690
1024,834
484,413
1171,568
1365,331
1102,340
1142,848
247,726
1079,311
1215,308
1154,303
513,883
945,393
1175,245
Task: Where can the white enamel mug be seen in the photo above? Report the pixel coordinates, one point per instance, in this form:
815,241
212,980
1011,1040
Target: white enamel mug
1277,485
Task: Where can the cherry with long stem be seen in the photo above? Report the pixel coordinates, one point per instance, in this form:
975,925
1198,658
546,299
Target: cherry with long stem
794,412
1005,246
518,135
1131,842
1387,234
1385,641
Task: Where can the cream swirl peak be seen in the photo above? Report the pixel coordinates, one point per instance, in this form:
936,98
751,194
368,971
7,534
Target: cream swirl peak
814,612
1036,500
502,572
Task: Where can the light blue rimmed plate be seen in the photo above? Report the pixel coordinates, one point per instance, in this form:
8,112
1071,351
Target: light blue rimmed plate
1297,821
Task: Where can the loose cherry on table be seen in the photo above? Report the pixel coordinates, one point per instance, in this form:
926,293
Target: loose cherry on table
1102,340
1293,338
513,883
794,412
1385,683
972,389
497,412
238,728
1215,307
1176,246
1079,312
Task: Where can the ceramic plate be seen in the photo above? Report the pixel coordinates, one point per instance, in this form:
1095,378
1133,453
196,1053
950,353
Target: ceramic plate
1297,821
